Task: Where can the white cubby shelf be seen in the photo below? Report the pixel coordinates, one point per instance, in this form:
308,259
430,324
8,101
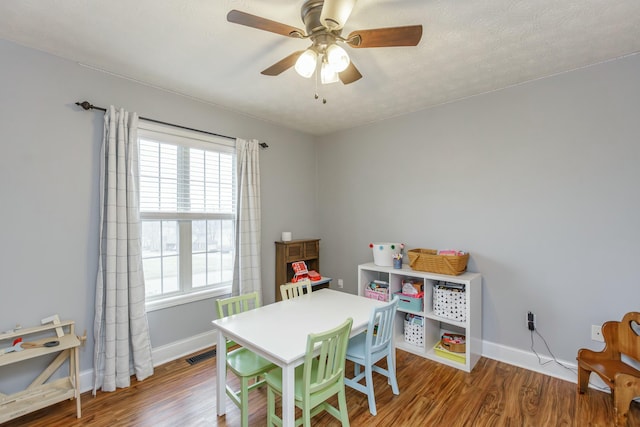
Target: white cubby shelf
434,326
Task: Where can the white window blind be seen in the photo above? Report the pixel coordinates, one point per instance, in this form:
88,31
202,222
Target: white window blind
187,208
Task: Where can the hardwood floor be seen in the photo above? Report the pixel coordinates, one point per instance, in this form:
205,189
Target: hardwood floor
431,394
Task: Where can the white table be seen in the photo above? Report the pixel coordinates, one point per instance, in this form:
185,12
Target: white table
278,332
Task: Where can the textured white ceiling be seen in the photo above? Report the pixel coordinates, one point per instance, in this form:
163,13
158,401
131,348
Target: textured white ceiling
467,48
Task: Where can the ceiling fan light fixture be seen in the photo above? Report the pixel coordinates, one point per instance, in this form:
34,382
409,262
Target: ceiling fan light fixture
335,13
306,63
337,58
328,74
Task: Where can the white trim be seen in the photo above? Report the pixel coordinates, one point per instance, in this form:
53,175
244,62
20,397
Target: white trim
182,348
164,354
185,298
528,360
175,135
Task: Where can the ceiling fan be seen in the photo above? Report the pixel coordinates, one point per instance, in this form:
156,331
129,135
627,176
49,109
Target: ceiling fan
324,20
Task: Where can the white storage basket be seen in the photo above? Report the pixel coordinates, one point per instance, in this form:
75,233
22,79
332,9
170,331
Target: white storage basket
414,331
450,301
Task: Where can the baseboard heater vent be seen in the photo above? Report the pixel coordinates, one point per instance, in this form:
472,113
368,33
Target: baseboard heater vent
202,356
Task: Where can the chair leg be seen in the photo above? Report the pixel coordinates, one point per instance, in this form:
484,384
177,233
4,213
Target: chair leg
244,401
271,406
342,404
368,371
391,369
583,379
627,387
621,401
306,416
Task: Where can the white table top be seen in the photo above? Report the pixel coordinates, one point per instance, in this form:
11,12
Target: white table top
279,331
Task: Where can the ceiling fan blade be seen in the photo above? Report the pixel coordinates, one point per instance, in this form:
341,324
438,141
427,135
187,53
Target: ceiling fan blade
282,65
335,13
253,21
386,37
350,75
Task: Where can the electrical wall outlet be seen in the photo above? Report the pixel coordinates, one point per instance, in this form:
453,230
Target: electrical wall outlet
340,283
596,333
531,321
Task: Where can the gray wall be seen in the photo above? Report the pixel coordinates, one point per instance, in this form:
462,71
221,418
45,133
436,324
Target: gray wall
539,182
49,191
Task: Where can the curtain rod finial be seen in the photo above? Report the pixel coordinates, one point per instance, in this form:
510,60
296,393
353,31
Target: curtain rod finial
264,145
85,105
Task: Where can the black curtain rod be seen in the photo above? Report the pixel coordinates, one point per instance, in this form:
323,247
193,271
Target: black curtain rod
88,106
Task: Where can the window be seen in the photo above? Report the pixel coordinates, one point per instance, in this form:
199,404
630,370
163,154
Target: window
187,210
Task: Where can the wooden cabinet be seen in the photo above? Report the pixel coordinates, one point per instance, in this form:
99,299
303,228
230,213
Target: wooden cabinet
307,250
42,393
431,326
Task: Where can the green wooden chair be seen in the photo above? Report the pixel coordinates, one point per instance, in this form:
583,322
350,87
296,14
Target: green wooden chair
295,289
319,378
245,364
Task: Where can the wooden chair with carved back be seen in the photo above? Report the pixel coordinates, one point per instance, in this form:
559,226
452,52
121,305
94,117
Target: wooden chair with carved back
621,339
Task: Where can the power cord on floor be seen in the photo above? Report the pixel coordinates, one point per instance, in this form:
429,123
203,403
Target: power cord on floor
554,359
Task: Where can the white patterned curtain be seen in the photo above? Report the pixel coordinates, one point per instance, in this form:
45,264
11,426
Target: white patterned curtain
121,331
247,269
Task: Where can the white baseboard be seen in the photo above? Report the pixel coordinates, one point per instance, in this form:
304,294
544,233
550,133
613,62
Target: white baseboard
510,355
546,365
164,354
178,349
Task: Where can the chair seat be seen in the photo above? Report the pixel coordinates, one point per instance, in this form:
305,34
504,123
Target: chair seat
356,348
274,379
607,369
245,363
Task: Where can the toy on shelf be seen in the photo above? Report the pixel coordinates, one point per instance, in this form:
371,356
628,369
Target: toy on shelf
301,272
314,276
377,289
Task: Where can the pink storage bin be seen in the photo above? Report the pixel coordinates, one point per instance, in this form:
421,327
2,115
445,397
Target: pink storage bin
380,296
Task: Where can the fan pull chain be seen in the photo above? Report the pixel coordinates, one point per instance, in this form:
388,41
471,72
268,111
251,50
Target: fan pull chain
316,96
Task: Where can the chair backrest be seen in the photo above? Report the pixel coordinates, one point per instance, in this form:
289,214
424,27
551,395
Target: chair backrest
234,305
294,289
380,329
621,337
325,372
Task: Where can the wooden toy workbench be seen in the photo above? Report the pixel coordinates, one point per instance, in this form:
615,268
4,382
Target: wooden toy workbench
40,393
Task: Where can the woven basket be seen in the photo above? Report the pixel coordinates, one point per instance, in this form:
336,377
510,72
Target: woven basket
429,260
454,342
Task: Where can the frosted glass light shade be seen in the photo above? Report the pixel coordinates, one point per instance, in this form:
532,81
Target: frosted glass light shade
328,74
337,58
336,12
306,63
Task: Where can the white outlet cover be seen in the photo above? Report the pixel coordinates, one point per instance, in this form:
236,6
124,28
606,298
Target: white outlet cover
596,333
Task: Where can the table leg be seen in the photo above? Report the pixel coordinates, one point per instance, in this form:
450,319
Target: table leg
76,374
288,396
221,373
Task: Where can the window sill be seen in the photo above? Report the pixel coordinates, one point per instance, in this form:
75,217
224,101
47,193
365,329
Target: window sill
163,303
